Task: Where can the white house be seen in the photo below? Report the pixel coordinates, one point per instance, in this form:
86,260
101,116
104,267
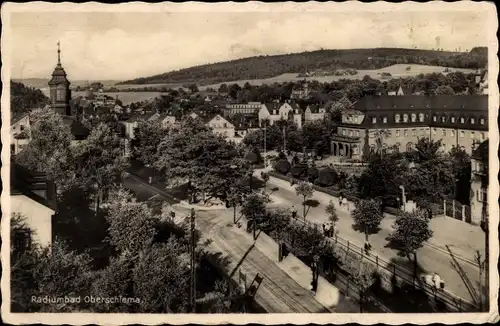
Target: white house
313,113
273,112
19,133
167,120
34,197
221,126
132,122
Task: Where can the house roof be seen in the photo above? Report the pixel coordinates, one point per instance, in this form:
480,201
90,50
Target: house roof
34,185
381,112
78,130
16,119
416,102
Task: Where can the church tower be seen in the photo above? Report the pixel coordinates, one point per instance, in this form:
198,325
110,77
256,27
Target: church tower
60,94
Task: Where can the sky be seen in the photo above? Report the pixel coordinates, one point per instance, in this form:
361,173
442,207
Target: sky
124,45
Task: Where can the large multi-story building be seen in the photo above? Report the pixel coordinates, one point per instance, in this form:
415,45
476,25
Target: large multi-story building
275,111
458,121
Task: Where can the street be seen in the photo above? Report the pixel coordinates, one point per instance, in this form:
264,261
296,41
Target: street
461,278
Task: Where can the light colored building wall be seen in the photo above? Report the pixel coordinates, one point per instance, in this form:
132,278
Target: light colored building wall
38,217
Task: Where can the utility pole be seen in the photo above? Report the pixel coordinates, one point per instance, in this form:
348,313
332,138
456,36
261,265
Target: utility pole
284,138
265,150
192,285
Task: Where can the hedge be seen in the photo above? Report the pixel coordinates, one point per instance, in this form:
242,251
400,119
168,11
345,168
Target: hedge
299,170
334,193
282,166
327,177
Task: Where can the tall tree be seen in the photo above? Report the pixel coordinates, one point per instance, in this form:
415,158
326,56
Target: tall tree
367,216
411,230
100,161
305,190
131,223
207,162
332,212
49,149
254,209
147,137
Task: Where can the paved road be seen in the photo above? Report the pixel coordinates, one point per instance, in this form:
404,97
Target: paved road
461,279
278,292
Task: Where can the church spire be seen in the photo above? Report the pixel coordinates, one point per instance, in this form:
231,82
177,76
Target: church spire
58,52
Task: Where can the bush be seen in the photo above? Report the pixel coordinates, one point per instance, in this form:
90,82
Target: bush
282,166
327,177
312,173
253,157
299,170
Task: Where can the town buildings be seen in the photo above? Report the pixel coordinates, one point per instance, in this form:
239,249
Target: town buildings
34,197
270,113
458,121
314,112
300,91
479,184
19,132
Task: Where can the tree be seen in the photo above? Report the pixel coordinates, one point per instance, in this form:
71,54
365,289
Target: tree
254,210
265,177
327,177
411,230
161,278
367,216
332,212
362,275
23,99
60,272
100,161
147,137
444,90
380,137
312,173
382,179
305,190
132,224
207,162
49,149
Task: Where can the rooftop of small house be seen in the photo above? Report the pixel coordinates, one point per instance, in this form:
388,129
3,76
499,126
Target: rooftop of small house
34,185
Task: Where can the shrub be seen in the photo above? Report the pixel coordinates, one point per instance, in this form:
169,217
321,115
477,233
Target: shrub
299,170
253,157
312,173
327,177
282,166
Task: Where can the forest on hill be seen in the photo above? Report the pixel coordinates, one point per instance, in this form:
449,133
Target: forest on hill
273,65
23,99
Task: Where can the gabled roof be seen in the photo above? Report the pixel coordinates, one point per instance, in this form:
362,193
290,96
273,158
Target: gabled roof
34,185
78,130
16,119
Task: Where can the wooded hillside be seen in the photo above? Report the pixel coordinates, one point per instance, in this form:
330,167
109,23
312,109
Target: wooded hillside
23,99
270,66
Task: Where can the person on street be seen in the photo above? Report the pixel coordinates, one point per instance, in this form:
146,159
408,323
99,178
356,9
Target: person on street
294,212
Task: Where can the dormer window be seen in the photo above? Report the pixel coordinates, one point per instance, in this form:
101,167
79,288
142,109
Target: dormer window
472,120
421,117
397,118
434,118
462,120
405,118
453,119
413,117
374,120
443,119
481,121
384,119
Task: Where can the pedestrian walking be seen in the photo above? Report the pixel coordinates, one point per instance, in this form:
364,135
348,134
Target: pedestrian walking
345,203
294,212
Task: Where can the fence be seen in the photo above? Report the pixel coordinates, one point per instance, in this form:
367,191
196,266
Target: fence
393,272
455,209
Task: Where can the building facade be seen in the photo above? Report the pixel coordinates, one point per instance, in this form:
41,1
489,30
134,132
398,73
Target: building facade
19,133
479,184
34,197
458,121
274,111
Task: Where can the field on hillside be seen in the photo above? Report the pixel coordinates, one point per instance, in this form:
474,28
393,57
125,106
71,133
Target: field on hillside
127,97
397,71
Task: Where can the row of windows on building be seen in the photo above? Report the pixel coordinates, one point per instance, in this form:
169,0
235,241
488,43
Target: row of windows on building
423,132
397,119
